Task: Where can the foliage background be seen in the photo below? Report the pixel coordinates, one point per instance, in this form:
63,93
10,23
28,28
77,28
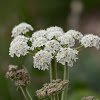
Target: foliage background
84,75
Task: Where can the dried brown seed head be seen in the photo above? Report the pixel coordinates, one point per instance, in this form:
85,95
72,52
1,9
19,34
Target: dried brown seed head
52,88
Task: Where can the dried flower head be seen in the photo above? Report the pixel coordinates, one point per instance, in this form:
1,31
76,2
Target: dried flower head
88,98
20,77
11,72
50,89
22,28
13,67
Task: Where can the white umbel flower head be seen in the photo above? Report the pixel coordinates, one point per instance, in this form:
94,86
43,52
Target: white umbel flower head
90,40
67,39
67,55
54,29
22,28
19,46
38,42
42,60
55,35
52,46
75,34
40,33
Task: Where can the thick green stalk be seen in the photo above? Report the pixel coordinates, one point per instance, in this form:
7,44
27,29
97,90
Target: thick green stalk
66,77
53,75
26,93
53,72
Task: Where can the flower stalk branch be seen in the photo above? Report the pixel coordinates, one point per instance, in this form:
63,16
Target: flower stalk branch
31,54
79,47
53,72
66,77
53,75
26,93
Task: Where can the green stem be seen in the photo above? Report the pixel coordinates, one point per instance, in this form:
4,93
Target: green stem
53,72
31,54
79,47
53,75
56,97
27,35
66,77
26,93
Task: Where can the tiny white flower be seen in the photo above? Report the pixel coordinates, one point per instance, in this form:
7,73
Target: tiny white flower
75,34
67,39
53,35
90,40
67,55
19,46
38,42
42,60
54,29
52,46
40,33
22,28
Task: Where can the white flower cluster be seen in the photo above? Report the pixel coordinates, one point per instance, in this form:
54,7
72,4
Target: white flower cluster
67,55
54,29
75,34
19,46
22,28
52,42
90,40
52,46
67,39
38,42
54,32
40,33
42,60
54,35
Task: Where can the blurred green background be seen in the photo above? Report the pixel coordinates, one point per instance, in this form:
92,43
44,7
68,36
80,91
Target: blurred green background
82,15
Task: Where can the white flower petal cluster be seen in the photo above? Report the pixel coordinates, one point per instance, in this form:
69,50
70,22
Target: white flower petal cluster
38,42
40,33
67,39
42,60
22,28
75,34
52,46
54,29
51,35
19,46
90,40
67,55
